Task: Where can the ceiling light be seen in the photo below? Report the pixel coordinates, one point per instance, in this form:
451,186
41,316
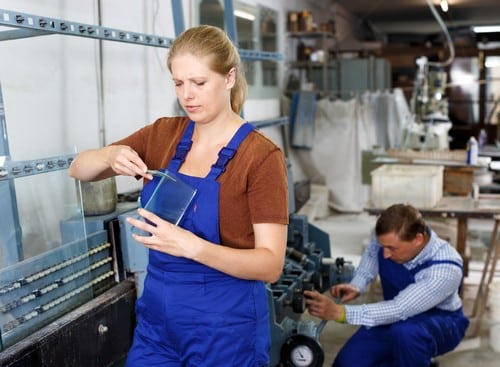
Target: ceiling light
486,29
444,5
244,14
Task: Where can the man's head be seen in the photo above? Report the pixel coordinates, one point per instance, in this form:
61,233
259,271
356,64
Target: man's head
402,232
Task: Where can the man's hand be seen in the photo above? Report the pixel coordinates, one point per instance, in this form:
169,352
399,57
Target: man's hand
323,307
346,292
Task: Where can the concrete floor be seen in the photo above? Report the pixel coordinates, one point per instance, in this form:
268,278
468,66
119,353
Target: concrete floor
348,235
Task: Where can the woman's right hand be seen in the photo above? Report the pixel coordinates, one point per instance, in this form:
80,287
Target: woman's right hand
125,161
111,160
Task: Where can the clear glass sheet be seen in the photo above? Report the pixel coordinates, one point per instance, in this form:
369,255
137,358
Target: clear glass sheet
171,198
48,273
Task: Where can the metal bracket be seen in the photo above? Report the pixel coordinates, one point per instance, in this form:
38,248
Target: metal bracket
15,169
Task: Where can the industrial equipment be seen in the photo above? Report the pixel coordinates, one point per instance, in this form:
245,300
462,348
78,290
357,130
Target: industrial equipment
429,124
308,266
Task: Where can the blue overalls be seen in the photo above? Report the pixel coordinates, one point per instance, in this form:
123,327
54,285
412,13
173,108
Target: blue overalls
407,343
192,315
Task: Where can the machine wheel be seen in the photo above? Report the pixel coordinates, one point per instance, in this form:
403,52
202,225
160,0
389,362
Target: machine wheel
317,280
298,302
302,351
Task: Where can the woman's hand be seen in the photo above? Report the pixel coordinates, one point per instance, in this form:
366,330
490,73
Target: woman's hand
123,160
112,160
165,236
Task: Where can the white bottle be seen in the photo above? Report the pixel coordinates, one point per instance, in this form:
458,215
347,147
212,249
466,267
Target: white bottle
472,151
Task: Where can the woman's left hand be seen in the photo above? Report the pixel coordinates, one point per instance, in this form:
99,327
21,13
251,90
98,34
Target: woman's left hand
165,236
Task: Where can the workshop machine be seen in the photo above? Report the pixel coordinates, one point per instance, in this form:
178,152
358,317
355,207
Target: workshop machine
429,124
308,266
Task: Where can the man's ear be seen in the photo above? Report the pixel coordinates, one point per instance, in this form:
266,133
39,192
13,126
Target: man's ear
419,239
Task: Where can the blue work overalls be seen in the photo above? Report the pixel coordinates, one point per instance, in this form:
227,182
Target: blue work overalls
193,315
407,343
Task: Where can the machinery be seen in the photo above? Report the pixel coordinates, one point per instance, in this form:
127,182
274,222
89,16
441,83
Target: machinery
308,266
429,124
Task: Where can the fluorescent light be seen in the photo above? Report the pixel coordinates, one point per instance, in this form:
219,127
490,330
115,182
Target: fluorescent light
492,62
444,5
244,15
486,29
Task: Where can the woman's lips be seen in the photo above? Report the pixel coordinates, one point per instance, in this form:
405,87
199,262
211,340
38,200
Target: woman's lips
191,109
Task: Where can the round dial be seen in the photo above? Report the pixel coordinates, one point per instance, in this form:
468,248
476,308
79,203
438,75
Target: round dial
302,356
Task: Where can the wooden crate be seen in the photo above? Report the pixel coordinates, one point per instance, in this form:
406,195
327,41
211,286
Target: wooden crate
458,180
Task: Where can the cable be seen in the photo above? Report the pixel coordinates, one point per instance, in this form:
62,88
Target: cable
446,33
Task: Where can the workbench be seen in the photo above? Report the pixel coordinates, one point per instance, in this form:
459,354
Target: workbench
461,208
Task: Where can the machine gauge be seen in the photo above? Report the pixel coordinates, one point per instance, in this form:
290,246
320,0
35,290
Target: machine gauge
302,356
302,351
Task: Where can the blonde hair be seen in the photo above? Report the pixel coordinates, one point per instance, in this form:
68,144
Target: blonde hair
206,40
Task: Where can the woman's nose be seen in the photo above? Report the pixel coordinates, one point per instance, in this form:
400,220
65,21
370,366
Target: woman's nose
187,92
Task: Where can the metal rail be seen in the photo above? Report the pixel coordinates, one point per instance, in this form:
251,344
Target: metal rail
35,25
15,169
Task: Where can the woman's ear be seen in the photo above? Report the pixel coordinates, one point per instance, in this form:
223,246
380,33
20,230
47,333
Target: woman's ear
231,77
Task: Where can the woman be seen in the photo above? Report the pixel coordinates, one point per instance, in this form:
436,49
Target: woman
204,301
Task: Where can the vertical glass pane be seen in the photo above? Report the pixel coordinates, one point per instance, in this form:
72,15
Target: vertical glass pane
212,13
268,40
245,28
53,273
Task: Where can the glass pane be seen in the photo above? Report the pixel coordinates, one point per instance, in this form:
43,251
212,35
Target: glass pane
50,272
245,28
212,13
268,39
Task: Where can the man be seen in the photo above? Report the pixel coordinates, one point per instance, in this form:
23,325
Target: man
421,314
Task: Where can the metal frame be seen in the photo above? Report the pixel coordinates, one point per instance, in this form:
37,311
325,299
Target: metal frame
15,169
34,25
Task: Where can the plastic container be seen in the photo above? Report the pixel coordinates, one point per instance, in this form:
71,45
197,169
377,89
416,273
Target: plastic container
472,151
418,185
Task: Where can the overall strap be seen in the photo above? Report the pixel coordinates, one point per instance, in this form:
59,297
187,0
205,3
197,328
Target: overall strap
227,153
426,264
183,147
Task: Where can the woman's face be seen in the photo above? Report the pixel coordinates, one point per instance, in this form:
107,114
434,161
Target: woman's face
203,93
